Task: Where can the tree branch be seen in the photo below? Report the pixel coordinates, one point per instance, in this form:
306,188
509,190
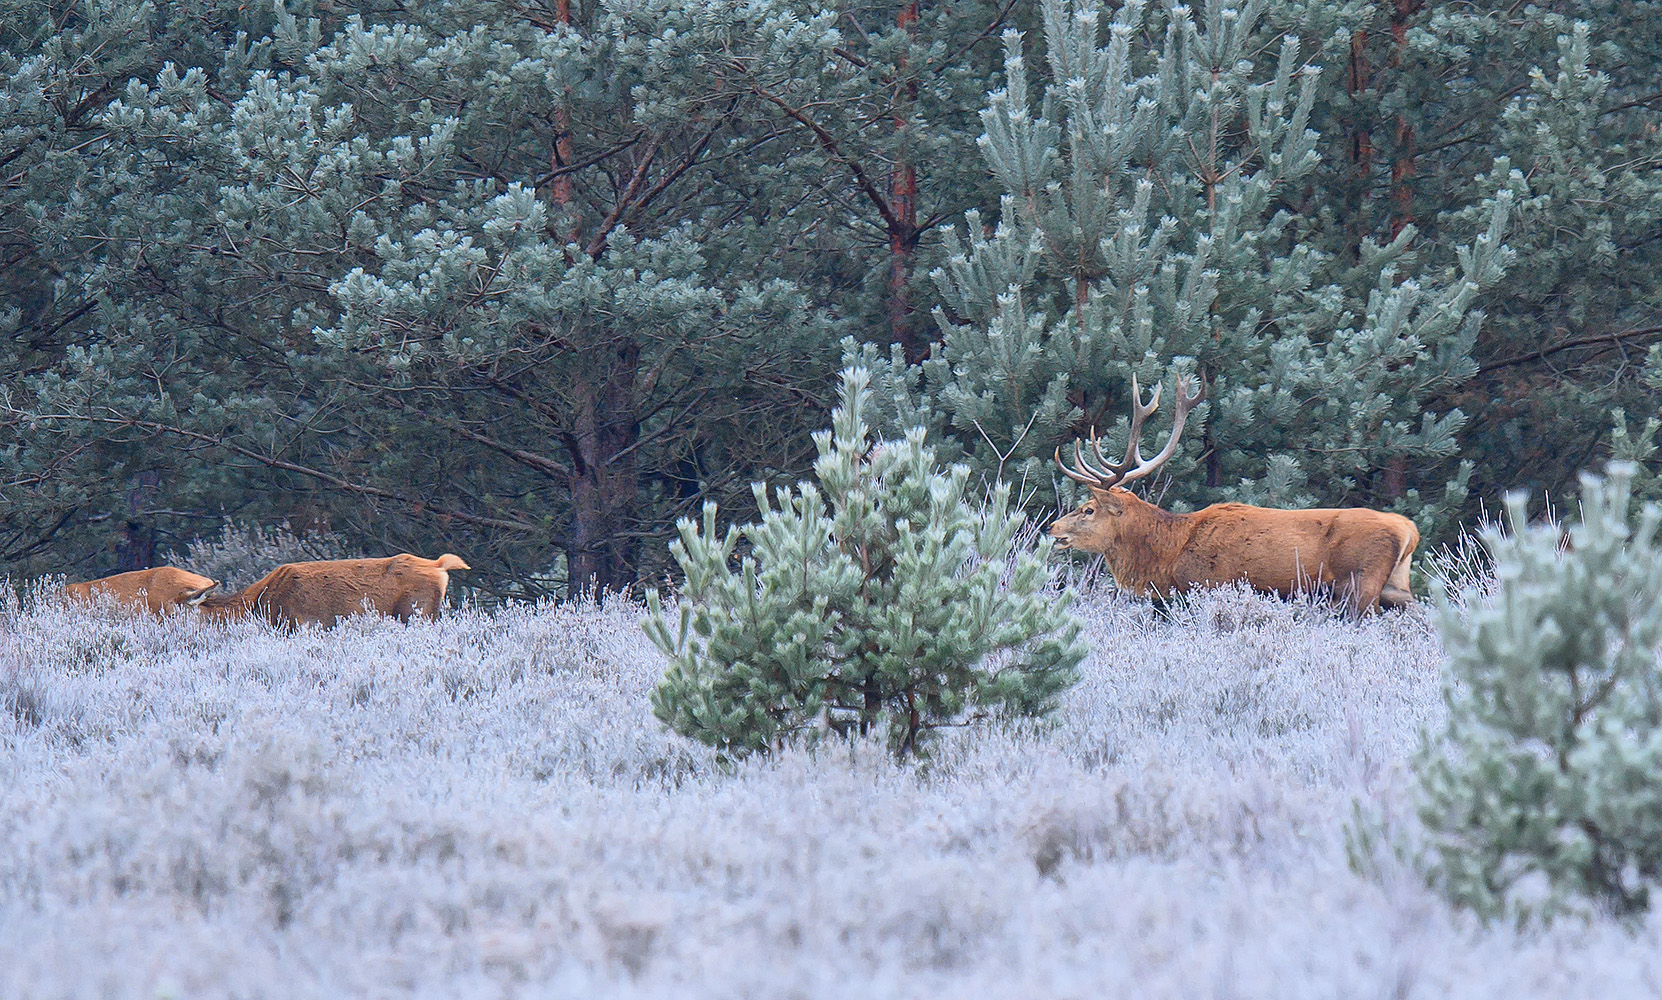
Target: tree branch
542,463
544,180
671,176
624,203
218,441
829,142
14,555
1636,103
1614,339
998,21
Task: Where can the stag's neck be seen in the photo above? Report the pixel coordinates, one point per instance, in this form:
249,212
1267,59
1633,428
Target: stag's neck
1150,543
226,607
237,605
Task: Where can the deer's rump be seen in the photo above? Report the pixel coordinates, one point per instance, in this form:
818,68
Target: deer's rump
160,589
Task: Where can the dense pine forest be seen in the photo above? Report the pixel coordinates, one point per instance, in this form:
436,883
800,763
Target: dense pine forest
528,281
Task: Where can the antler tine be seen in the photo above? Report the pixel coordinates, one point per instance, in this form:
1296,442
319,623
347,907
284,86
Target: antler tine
1140,412
1106,474
1133,450
1106,471
1185,403
1078,476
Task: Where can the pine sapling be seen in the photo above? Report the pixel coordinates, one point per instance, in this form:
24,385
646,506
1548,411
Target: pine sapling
877,599
1541,796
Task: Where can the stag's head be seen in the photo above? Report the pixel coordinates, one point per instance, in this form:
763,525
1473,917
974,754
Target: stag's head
1098,523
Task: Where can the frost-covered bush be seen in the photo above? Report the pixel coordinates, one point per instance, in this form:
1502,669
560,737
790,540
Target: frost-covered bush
880,598
242,553
1641,446
1461,566
1544,793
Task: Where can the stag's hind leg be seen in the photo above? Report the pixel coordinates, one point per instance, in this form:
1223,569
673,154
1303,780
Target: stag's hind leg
1362,575
423,599
1396,593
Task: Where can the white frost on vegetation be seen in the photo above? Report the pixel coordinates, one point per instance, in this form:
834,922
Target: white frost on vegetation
486,807
242,553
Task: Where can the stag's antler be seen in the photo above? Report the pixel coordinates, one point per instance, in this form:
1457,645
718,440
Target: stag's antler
1133,466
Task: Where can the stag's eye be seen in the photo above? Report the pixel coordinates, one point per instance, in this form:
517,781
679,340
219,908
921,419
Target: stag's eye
1088,511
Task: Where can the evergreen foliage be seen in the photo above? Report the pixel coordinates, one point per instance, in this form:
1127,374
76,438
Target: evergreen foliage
878,599
1152,215
1639,445
1559,104
1541,795
531,282
880,127
315,250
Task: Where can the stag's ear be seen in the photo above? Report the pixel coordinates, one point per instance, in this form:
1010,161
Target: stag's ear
1107,502
1104,502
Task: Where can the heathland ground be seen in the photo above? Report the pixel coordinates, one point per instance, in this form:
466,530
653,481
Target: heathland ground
486,807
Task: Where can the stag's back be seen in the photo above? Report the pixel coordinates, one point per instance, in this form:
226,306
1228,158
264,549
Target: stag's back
324,592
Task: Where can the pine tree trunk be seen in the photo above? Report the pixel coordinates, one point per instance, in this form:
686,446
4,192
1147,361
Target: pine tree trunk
903,204
1402,178
563,148
136,546
914,726
603,483
1361,136
1394,481
872,706
903,190
1402,167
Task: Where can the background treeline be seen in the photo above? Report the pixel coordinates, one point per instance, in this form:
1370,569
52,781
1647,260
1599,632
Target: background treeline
529,280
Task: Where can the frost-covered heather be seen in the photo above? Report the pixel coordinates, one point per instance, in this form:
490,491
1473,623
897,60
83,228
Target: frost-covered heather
242,553
485,807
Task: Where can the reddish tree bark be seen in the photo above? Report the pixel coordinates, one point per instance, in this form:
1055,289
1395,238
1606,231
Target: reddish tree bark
1402,166
903,210
1361,138
562,157
1393,481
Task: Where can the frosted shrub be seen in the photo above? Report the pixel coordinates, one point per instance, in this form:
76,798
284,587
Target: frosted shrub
242,553
1641,446
1543,795
877,599
1462,565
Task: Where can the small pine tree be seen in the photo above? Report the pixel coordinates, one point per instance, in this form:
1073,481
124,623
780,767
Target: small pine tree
1542,795
878,599
1640,446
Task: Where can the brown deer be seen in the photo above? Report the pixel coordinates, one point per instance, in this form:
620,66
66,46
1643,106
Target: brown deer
400,586
1359,556
158,590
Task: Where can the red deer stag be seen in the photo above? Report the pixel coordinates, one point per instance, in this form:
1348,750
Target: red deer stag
159,590
1360,556
324,592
